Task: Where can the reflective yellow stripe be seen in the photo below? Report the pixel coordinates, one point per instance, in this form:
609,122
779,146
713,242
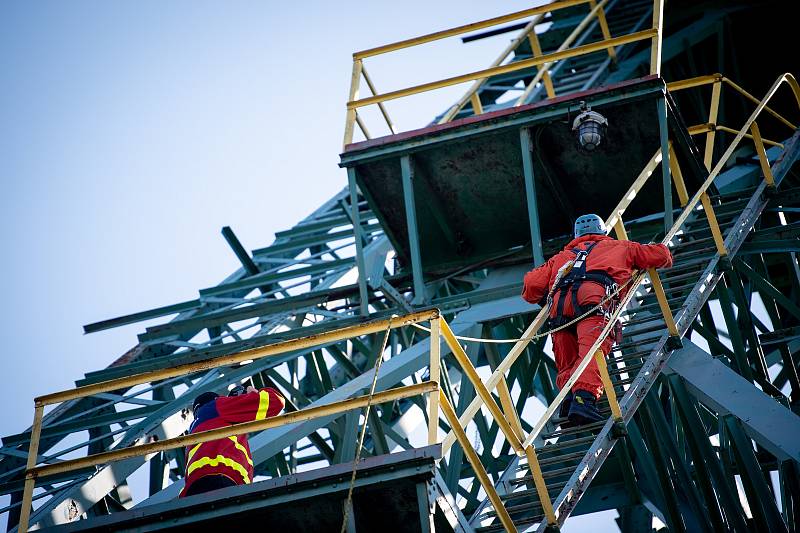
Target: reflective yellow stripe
263,405
192,452
216,461
241,449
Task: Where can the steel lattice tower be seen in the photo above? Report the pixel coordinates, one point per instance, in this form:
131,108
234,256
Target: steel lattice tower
704,433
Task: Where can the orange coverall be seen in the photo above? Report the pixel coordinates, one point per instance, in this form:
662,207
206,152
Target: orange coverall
618,259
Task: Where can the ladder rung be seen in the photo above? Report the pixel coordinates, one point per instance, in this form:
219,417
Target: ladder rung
642,331
550,448
630,369
560,458
573,430
640,342
679,277
629,357
528,492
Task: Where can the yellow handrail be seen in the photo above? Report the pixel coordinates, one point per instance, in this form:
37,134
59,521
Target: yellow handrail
479,77
32,472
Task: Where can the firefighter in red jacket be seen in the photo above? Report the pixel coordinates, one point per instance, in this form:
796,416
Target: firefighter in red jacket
599,264
226,462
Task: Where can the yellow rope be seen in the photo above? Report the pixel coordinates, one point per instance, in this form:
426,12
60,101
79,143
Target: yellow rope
378,362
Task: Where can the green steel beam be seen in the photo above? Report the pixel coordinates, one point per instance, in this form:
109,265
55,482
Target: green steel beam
407,173
663,133
759,495
706,462
526,148
241,254
767,287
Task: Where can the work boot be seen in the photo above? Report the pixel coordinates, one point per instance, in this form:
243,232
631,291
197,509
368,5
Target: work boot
583,409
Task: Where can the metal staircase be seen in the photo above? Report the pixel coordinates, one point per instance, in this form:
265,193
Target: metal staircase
570,457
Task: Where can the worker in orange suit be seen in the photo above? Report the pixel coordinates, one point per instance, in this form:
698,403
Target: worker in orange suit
226,462
585,273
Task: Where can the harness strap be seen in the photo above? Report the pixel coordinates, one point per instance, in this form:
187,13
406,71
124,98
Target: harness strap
571,283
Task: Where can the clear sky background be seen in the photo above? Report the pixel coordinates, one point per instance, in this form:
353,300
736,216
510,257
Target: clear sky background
132,132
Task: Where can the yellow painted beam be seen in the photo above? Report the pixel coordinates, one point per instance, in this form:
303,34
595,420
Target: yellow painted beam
698,81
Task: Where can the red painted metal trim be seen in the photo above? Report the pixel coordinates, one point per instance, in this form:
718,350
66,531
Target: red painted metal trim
436,128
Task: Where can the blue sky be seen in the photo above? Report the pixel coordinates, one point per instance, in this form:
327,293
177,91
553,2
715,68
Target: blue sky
131,132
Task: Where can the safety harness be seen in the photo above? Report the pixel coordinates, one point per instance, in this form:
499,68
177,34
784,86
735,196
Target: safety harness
571,277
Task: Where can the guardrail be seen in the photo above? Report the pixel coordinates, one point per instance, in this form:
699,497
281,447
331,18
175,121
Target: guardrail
438,403
34,472
544,62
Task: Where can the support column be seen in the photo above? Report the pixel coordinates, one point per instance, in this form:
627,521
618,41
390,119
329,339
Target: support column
530,193
354,215
665,170
407,171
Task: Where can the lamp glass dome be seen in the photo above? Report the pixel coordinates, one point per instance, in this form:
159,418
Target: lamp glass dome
589,126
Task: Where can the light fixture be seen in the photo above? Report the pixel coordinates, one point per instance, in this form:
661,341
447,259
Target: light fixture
589,126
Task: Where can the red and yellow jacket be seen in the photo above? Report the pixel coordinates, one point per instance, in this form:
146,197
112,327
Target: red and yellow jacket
231,456
617,258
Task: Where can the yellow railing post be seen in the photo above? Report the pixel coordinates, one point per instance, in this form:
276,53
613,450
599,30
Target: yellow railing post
655,47
541,486
477,107
433,405
30,480
762,155
600,358
475,462
536,50
350,118
712,119
619,230
508,408
661,296
708,209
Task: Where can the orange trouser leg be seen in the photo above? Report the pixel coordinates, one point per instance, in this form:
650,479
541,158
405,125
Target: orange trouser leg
565,349
588,330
